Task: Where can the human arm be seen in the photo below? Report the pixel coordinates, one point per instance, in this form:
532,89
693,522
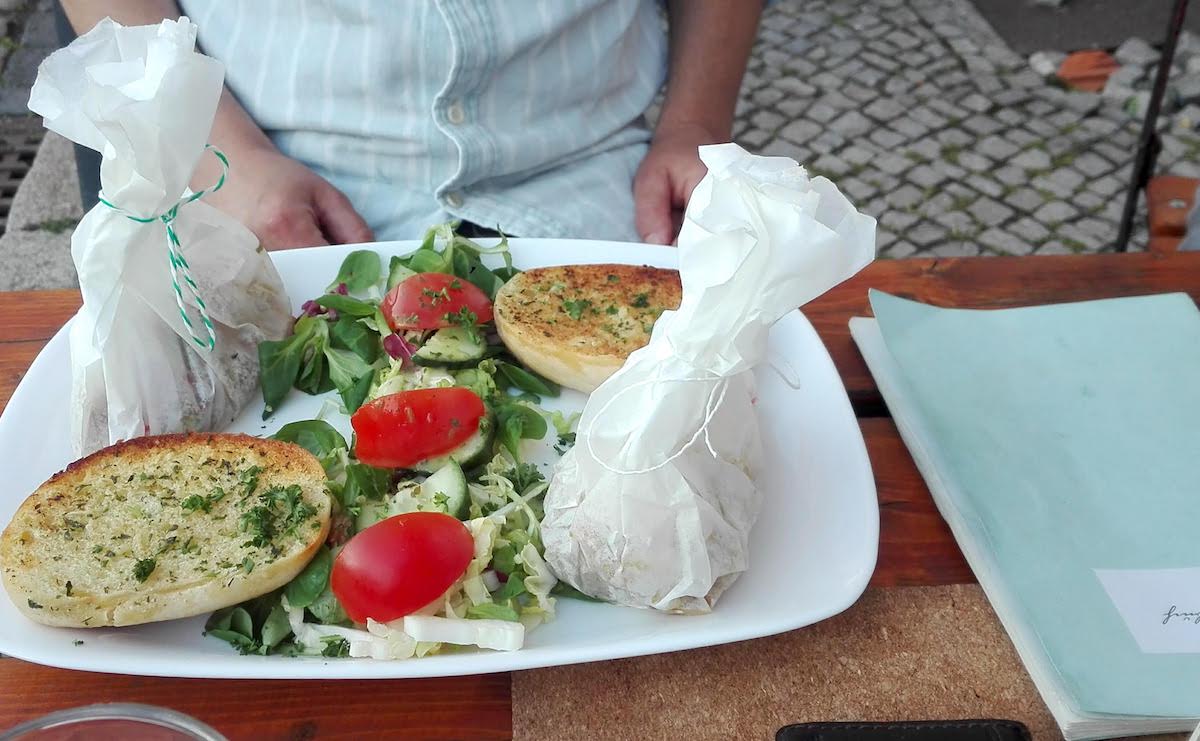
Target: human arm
283,202
710,42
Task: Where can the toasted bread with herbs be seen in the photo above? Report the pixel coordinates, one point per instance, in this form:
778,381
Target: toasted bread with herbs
576,324
164,527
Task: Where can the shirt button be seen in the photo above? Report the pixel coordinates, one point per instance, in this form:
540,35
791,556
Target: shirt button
455,114
454,200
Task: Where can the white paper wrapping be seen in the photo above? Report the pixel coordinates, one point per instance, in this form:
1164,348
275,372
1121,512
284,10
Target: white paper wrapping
654,505
145,99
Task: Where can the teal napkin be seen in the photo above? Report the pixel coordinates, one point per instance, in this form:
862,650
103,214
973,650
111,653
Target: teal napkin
1068,439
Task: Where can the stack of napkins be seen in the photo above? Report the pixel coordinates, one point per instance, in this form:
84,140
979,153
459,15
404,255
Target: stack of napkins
1062,445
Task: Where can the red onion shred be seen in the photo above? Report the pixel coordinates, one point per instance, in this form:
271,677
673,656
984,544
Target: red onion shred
311,308
398,348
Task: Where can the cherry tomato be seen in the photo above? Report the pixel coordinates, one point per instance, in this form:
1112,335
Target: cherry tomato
433,301
399,565
399,430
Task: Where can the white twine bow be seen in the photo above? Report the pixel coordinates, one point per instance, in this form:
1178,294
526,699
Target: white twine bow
715,397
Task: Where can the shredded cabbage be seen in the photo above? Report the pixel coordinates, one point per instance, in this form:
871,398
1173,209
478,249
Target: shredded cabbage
538,583
371,643
504,520
399,377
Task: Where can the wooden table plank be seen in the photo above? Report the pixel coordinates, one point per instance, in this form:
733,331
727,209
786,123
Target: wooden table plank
35,315
915,545
15,358
460,707
450,708
989,283
916,548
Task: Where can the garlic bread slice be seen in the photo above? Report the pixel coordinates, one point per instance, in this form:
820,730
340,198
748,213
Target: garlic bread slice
164,527
576,324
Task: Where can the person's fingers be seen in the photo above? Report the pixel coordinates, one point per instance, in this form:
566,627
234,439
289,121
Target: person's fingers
690,182
290,227
652,206
337,217
679,205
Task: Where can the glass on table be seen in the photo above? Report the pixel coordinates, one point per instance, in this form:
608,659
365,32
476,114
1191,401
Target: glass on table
113,722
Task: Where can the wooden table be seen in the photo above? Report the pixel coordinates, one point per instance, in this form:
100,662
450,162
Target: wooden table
916,547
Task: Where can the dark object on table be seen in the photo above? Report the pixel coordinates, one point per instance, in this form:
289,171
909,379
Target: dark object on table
911,730
1149,142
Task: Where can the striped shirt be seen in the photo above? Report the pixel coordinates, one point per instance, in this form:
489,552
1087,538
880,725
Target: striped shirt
525,115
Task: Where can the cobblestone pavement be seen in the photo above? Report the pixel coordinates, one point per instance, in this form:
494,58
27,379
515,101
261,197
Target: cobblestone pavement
914,107
928,121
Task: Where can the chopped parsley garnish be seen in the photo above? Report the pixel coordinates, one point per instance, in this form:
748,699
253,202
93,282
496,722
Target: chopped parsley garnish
612,309
335,646
73,526
565,442
280,510
612,278
576,308
523,476
248,565
259,522
249,479
641,301
455,284
464,318
33,605
197,502
144,568
436,297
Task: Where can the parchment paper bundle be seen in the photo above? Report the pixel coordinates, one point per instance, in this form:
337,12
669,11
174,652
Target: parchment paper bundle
654,505
143,358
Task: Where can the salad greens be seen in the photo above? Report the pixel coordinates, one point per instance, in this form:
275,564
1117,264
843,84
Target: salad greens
342,341
359,273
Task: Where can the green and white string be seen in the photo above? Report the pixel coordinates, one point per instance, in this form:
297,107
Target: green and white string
179,264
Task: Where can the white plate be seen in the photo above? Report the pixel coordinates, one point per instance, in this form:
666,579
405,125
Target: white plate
813,548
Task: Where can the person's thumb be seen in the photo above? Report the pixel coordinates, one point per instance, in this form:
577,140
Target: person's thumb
652,207
337,217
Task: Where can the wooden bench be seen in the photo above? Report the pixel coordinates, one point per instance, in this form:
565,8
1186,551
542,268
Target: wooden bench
1169,200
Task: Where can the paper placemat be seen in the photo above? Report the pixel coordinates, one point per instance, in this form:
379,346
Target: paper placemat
906,653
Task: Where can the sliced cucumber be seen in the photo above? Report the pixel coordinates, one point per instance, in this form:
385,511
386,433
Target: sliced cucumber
452,347
371,512
446,489
475,451
398,272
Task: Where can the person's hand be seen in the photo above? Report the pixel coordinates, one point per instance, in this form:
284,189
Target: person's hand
286,204
665,180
